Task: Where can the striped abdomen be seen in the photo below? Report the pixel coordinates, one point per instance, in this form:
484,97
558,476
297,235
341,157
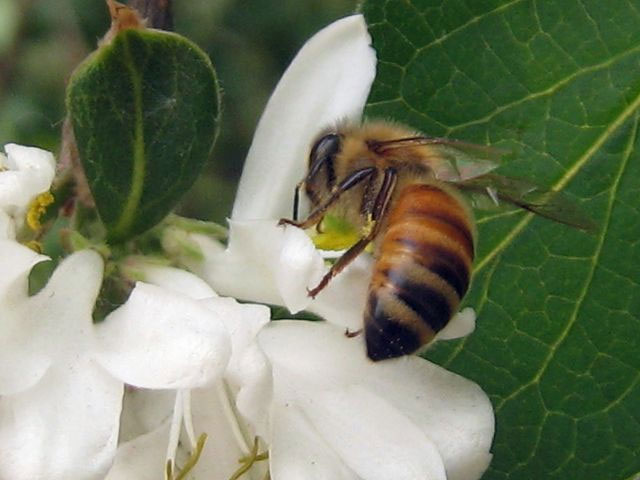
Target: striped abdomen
422,271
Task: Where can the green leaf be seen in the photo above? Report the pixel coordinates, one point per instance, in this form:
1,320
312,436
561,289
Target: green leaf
557,345
144,111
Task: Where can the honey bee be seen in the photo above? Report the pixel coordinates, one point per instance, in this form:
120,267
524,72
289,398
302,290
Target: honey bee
402,190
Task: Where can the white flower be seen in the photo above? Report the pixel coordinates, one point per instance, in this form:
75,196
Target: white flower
232,411
63,376
336,415
25,172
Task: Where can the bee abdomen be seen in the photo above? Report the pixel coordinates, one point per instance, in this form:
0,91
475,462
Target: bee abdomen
422,271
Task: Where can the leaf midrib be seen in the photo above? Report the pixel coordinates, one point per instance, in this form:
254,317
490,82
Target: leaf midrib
563,181
587,284
132,202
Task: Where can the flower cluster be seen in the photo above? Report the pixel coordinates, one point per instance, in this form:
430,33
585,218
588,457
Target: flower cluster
123,396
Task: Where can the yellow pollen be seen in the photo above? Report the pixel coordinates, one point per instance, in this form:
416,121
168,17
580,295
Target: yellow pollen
34,245
37,208
368,226
337,234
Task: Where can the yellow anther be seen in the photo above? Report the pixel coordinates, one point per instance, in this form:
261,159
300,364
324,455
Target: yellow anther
191,462
34,245
248,461
37,208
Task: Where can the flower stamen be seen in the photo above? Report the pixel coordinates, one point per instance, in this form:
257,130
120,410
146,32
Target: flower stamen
189,464
232,418
248,461
188,418
37,209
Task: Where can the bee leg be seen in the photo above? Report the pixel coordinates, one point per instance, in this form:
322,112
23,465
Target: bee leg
348,333
316,216
296,201
346,258
378,208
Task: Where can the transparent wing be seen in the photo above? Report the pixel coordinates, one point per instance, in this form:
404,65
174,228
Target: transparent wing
551,204
450,160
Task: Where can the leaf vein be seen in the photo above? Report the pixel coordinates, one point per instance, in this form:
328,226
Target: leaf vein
548,91
564,180
587,284
137,177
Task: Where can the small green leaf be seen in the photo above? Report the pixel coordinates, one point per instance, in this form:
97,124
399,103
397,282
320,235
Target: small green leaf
558,336
144,110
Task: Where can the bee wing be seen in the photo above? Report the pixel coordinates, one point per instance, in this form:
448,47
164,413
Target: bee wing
551,204
450,160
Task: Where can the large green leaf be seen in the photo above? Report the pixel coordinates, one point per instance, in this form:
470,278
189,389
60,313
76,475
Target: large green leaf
144,110
557,345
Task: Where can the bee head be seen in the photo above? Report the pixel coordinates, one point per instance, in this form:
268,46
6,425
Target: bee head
321,175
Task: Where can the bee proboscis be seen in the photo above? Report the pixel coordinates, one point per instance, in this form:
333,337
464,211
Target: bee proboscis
402,189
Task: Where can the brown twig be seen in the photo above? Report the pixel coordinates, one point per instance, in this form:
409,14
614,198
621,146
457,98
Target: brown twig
157,12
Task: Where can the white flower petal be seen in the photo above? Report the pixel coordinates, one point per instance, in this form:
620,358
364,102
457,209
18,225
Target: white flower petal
459,417
298,452
252,380
298,268
328,80
144,410
462,324
219,459
316,354
22,367
30,172
266,263
163,339
67,301
17,261
142,457
173,279
471,466
38,330
65,427
277,265
342,302
451,410
371,436
248,372
39,162
7,227
174,241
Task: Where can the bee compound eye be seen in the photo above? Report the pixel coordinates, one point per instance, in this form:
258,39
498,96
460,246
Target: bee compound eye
324,148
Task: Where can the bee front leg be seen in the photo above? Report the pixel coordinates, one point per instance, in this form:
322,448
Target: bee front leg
378,210
318,214
346,258
351,334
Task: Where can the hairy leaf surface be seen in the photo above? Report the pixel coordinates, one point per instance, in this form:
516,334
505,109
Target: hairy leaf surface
144,110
